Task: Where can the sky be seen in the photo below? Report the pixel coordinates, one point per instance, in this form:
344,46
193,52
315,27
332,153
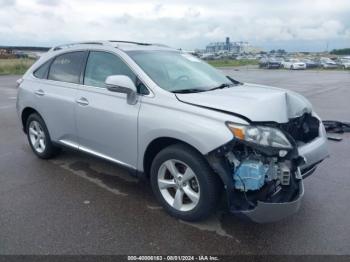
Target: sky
294,25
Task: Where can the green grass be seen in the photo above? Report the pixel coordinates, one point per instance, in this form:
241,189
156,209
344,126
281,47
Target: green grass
15,66
232,63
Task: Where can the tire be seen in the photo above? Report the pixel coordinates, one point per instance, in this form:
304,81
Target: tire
205,185
291,67
39,137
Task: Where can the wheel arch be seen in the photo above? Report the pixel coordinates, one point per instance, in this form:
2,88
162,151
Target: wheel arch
26,112
155,146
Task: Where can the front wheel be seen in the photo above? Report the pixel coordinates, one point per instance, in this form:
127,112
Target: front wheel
184,184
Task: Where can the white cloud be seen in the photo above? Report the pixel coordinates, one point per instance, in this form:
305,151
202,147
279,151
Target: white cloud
49,2
5,3
186,24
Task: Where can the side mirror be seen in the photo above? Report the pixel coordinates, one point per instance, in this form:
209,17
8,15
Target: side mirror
122,84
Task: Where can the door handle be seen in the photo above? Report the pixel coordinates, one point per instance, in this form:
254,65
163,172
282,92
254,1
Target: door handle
82,101
39,92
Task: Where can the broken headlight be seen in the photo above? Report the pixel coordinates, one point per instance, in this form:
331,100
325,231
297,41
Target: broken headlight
261,135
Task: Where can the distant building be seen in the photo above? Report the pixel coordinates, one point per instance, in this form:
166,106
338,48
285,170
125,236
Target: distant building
227,46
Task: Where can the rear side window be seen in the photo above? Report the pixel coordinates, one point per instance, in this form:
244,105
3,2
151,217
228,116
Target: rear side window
67,67
100,65
43,70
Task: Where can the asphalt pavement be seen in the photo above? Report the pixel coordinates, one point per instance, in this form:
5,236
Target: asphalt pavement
78,204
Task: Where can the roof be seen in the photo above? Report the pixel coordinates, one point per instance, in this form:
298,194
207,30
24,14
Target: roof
123,45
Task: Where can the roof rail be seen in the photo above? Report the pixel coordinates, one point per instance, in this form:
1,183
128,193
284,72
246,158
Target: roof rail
59,47
128,42
136,43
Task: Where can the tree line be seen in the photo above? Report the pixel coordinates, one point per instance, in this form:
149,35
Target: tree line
343,51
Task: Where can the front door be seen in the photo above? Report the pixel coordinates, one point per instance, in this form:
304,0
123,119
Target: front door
106,123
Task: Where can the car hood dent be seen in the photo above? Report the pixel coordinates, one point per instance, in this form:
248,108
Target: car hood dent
256,102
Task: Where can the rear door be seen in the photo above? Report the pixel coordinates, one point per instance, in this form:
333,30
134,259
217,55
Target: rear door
55,96
106,123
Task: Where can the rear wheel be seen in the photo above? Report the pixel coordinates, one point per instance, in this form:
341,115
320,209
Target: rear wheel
39,137
184,183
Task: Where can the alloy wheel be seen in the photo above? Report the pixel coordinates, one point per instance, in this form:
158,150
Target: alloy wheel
37,136
178,185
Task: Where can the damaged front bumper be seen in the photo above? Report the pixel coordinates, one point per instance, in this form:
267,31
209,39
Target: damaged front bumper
263,207
266,212
314,152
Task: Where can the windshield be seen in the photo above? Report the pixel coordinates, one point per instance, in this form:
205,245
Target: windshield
175,71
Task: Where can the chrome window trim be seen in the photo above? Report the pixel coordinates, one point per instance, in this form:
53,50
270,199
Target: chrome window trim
151,93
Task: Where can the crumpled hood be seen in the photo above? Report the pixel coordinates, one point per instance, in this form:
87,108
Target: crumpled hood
255,102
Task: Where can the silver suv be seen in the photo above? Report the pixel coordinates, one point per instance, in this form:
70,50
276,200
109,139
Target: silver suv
169,117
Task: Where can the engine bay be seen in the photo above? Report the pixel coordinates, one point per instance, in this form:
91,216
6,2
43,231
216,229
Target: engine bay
254,173
259,177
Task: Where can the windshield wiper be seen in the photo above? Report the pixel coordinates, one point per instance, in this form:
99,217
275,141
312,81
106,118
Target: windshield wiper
222,86
190,90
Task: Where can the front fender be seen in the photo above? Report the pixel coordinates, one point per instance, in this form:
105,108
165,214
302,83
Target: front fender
203,129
